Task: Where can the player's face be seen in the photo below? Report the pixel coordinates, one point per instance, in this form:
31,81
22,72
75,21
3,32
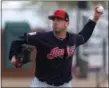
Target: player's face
60,25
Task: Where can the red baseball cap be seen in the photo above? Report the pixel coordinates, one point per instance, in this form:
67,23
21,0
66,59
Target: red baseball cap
59,14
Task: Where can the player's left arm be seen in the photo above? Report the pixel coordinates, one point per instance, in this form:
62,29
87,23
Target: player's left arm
88,29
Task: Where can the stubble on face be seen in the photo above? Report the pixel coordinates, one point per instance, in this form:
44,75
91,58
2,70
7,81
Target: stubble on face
59,28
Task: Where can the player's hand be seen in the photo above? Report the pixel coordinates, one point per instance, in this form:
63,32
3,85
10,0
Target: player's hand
13,60
97,13
18,64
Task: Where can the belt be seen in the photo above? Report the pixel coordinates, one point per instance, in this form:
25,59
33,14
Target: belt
55,83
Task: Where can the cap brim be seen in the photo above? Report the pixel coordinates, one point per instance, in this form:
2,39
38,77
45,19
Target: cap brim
53,17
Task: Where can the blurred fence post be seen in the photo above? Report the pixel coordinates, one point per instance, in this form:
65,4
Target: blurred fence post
104,54
77,30
82,63
98,83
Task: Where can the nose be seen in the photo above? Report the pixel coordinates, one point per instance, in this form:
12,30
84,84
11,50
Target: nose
55,21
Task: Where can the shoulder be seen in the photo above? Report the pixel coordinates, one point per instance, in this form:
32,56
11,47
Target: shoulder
44,34
72,35
75,37
31,33
38,34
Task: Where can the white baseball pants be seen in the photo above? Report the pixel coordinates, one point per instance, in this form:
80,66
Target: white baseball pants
37,83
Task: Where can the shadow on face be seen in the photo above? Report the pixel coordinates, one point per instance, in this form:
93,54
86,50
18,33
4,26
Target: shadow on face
60,24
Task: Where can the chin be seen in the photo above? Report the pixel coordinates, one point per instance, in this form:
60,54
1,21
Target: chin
56,31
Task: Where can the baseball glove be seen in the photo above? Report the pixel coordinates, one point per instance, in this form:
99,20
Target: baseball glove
21,51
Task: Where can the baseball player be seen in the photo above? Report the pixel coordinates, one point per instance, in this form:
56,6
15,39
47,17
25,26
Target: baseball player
55,50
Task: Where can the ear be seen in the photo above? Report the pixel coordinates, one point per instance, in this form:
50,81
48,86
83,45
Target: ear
67,23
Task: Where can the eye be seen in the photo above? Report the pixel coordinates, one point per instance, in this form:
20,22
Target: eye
59,18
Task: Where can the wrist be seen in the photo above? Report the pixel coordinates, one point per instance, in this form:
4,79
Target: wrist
95,20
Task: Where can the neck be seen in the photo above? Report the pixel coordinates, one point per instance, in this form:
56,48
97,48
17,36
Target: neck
60,35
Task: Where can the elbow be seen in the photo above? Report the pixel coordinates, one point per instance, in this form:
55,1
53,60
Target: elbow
86,38
85,41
